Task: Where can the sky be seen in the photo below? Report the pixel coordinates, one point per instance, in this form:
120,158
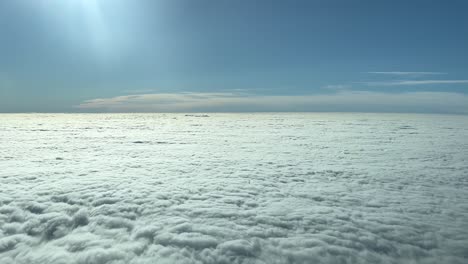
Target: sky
233,56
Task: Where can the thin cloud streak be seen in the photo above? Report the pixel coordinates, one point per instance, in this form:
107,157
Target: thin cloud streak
337,87
414,82
406,73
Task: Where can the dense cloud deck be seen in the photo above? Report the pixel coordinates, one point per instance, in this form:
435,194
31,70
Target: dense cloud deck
227,188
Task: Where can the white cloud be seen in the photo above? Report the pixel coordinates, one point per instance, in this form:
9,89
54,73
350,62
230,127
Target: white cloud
337,87
346,101
406,73
139,91
415,82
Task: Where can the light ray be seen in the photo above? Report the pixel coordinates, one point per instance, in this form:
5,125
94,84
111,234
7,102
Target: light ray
85,25
96,25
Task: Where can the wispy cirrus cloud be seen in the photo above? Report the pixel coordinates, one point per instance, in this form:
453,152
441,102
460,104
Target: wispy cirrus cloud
340,101
405,73
414,82
139,91
337,87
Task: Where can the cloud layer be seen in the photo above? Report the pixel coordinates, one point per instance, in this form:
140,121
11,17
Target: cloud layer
233,188
343,101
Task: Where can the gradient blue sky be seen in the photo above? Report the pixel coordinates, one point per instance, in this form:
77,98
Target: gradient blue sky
226,55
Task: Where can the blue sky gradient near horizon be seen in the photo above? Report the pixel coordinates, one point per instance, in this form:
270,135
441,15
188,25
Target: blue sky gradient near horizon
221,55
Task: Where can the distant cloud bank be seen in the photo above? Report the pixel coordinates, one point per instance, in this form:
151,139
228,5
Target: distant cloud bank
341,101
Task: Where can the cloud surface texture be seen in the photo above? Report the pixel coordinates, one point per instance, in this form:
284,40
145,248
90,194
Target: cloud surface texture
233,188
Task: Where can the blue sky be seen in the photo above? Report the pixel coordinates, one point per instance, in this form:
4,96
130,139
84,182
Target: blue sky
222,55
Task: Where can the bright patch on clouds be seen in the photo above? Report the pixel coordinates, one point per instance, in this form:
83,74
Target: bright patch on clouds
341,101
233,188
